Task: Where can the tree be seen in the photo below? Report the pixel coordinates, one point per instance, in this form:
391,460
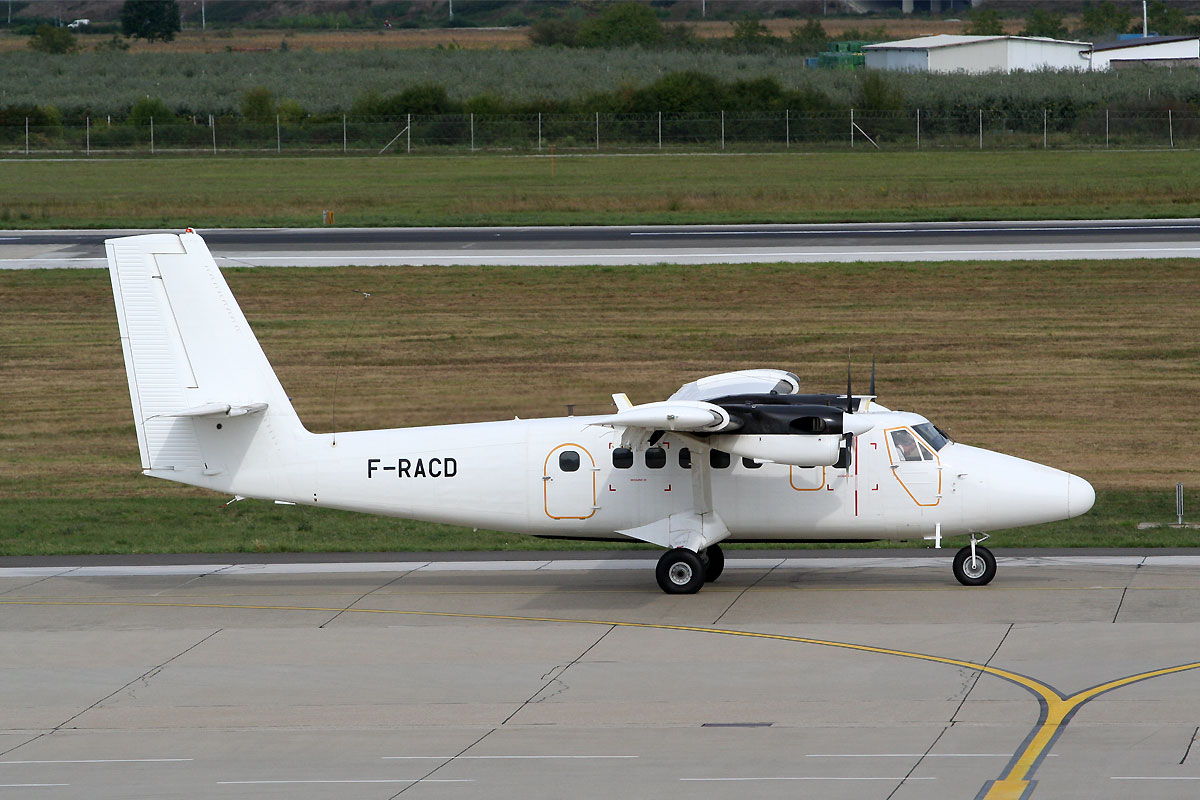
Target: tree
749,33
150,19
1104,19
1165,20
810,38
1044,23
622,25
985,22
48,39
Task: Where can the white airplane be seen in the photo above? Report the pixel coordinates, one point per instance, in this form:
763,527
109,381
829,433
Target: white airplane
741,456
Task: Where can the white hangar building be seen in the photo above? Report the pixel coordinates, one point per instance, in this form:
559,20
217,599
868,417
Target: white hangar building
949,53
1157,50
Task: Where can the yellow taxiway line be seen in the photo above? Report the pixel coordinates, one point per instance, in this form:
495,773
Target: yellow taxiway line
1015,781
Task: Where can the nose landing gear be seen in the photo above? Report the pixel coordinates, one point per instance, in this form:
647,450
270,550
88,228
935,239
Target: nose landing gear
974,565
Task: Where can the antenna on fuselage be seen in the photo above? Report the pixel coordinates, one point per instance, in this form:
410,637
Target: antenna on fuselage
872,392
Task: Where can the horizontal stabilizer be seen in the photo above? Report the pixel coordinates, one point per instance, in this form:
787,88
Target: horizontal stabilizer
218,410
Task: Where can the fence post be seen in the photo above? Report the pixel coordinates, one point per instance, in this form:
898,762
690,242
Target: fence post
278,136
918,129
660,130
981,129
539,130
212,123
787,128
27,136
408,133
597,130
472,131
1045,123
722,130
152,136
1106,129
344,141
87,126
852,127
1171,127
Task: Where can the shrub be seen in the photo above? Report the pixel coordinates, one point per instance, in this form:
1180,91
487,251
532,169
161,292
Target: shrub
57,41
149,108
622,25
258,105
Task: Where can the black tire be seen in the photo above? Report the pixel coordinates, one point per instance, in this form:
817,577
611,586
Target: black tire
680,572
978,574
714,562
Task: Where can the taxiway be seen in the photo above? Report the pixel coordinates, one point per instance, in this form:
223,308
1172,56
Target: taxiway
698,244
813,676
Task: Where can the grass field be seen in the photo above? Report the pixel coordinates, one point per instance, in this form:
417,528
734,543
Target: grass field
1090,367
497,190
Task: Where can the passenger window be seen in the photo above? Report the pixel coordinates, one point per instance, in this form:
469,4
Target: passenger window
905,446
622,458
750,463
568,461
685,458
718,459
656,458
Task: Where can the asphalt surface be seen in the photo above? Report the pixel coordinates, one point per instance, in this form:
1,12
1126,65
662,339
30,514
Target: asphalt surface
557,246
863,677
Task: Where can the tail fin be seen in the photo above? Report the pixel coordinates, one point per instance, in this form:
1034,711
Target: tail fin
207,405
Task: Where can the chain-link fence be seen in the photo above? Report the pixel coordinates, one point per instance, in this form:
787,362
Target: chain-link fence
965,128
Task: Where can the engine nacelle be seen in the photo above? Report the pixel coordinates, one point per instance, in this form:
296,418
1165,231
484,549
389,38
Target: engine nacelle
782,448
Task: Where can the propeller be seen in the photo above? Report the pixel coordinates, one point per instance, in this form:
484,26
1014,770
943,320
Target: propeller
849,392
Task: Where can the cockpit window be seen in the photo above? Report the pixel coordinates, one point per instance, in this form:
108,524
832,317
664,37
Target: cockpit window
905,445
930,433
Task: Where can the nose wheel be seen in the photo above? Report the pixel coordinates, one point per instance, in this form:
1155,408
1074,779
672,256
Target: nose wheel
974,565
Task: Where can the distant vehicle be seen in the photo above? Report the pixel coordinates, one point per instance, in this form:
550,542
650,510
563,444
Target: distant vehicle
79,23
743,456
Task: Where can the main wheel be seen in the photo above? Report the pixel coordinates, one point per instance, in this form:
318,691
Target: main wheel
714,563
974,572
680,572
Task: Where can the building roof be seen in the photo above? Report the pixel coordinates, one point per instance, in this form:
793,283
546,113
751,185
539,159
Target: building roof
1141,42
952,40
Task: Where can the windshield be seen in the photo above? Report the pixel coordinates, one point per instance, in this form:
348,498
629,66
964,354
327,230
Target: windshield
932,434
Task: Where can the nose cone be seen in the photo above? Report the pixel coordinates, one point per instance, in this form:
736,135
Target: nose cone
1000,491
1080,496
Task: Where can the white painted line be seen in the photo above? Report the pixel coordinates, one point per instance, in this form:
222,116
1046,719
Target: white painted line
921,230
102,761
165,569
485,758
1155,778
806,778
574,565
384,780
29,785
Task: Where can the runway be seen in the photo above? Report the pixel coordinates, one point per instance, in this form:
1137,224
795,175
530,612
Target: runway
851,676
707,244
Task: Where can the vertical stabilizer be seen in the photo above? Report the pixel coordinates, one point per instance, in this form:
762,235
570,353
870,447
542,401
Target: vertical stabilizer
207,405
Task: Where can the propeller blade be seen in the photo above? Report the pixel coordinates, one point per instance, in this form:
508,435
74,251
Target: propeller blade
849,392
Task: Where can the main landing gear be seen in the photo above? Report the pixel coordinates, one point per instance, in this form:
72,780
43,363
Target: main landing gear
681,571
975,565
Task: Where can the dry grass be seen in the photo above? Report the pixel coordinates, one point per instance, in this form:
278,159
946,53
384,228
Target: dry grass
243,40
1086,366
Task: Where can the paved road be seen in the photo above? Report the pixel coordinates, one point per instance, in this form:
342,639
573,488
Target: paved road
644,245
814,677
